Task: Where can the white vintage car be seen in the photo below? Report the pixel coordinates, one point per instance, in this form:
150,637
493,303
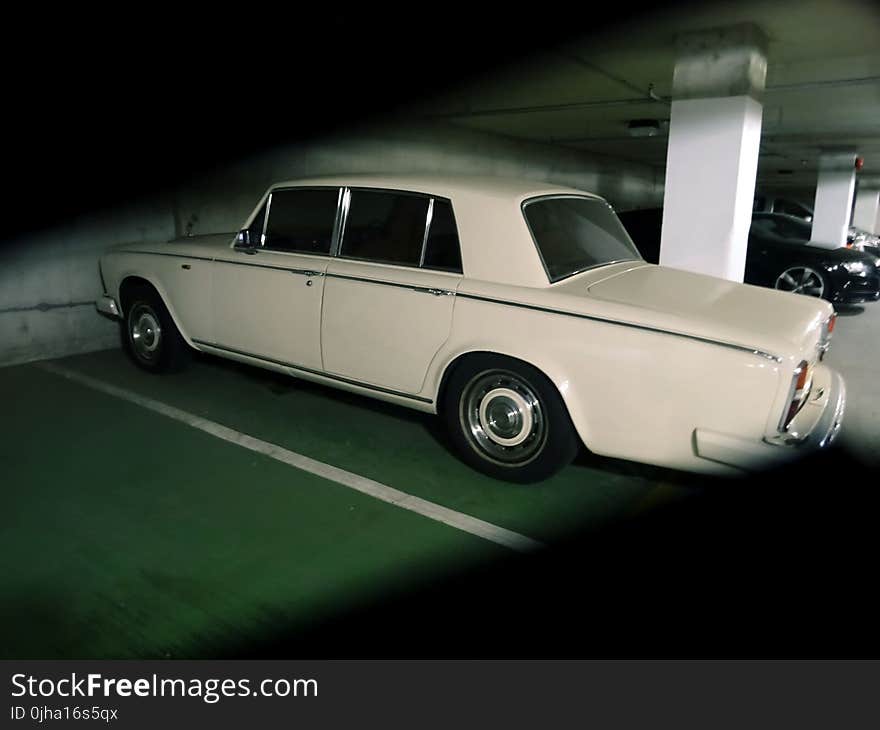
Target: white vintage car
520,312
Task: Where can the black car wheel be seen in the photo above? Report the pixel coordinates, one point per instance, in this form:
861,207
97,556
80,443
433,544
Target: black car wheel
803,280
508,420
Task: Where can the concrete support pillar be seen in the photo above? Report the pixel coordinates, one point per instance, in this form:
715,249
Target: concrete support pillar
712,157
867,213
834,198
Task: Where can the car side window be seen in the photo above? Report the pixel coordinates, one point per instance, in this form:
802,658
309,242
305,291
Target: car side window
386,227
442,249
301,221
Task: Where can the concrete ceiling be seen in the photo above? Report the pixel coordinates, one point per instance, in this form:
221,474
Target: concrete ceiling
823,87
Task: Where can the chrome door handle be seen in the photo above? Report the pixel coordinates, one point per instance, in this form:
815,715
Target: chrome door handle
438,292
307,273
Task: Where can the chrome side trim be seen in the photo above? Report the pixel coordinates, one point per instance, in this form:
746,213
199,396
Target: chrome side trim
304,272
428,218
336,245
266,221
319,373
265,266
621,323
383,282
337,223
162,253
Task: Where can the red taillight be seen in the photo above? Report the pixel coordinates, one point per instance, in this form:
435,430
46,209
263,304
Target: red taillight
800,389
825,339
802,377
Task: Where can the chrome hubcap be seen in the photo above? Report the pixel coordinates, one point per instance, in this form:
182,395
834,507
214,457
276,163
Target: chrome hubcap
801,280
503,418
145,332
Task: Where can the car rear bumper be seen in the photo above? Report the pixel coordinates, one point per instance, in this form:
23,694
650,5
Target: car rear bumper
820,429
815,427
858,290
107,305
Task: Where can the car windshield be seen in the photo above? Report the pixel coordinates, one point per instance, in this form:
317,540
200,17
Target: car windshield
575,233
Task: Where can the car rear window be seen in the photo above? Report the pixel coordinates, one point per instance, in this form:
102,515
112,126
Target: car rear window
576,233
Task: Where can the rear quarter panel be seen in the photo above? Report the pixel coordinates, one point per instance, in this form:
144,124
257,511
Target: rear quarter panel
631,394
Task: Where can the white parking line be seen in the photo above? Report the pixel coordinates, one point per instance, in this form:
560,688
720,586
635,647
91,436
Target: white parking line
431,510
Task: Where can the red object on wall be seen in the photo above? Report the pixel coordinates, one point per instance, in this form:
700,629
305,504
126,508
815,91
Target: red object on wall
860,163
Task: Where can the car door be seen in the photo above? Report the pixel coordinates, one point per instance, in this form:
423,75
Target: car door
389,293
267,295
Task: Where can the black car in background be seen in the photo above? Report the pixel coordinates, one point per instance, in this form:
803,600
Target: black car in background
779,257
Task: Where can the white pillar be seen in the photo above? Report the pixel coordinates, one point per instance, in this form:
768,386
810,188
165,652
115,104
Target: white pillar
712,157
834,198
867,211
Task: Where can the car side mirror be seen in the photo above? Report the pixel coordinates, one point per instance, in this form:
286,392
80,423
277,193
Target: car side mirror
243,241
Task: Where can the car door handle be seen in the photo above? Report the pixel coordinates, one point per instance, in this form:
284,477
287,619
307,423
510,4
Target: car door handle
306,272
438,292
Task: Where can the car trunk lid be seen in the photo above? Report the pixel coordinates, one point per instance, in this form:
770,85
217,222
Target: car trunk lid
708,307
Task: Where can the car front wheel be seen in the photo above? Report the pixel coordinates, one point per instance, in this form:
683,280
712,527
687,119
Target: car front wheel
508,420
149,334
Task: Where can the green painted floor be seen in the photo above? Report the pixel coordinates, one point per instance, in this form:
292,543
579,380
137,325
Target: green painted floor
126,534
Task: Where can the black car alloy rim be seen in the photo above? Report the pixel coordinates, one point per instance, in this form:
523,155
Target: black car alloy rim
801,280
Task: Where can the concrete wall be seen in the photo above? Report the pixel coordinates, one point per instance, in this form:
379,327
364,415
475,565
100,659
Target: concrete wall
49,281
222,202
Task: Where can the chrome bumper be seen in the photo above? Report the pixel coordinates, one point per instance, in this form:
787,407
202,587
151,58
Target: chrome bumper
824,433
107,305
750,455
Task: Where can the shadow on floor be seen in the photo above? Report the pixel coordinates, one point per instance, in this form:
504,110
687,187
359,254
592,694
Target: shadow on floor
783,564
849,310
279,384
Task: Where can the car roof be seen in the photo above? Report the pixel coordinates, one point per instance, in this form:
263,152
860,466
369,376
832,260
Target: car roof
496,243
448,186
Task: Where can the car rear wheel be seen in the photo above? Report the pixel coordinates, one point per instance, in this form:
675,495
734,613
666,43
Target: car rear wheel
149,334
508,420
802,280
